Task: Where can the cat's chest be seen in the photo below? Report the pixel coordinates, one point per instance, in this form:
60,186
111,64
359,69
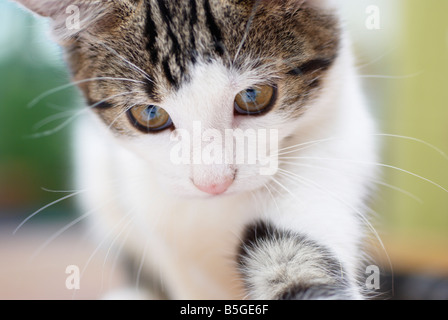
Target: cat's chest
195,240
197,244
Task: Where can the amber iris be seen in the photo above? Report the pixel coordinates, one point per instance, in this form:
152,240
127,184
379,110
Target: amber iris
256,100
150,118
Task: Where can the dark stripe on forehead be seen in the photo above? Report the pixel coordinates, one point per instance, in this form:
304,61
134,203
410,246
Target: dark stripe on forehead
151,90
193,22
151,33
178,33
168,74
312,66
99,105
174,78
166,16
215,30
193,14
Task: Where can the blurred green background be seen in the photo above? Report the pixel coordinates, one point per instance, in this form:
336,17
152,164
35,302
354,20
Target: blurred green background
29,163
403,66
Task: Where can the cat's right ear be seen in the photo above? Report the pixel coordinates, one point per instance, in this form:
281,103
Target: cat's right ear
69,17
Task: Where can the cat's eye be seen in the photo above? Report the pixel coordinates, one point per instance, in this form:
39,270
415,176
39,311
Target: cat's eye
255,100
150,118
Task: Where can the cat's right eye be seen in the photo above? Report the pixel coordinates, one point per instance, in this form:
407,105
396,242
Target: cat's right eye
150,118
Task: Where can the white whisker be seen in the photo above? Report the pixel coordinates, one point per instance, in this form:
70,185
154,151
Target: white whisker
443,154
59,127
388,77
286,189
46,207
266,185
52,118
76,115
120,115
106,237
373,164
248,26
59,233
113,97
69,85
140,267
118,253
379,182
112,244
146,75
344,202
60,191
304,145
379,58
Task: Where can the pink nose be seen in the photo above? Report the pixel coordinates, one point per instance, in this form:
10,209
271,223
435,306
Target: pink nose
216,189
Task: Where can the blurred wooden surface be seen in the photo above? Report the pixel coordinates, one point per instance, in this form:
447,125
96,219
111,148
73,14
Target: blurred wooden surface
43,277
417,254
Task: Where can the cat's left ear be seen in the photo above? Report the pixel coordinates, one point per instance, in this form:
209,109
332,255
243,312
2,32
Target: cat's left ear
69,17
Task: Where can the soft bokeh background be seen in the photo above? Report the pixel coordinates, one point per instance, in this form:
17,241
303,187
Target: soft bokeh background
403,66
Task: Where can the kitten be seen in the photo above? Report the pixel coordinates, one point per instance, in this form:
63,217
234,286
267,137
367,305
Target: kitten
155,72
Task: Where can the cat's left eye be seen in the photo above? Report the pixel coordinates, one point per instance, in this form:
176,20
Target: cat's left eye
150,118
255,100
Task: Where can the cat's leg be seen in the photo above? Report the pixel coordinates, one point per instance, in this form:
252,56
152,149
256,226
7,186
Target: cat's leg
144,283
279,263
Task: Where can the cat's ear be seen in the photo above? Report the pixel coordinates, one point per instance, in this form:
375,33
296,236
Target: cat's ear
69,17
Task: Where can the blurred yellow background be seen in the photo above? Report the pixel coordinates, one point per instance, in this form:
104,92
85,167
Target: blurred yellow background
403,64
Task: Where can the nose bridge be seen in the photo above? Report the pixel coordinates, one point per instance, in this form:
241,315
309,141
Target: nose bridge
208,136
212,173
212,156
205,107
207,97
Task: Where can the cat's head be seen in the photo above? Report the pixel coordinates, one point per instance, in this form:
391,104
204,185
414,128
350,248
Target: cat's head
154,67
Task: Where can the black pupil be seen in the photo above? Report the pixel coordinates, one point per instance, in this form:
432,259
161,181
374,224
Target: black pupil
250,95
151,113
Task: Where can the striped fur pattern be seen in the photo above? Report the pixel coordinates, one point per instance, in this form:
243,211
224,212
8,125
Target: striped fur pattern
278,264
295,235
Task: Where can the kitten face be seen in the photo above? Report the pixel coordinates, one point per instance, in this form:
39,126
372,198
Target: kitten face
187,61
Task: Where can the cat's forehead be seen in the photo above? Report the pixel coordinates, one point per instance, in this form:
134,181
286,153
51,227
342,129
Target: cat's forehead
166,39
181,32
